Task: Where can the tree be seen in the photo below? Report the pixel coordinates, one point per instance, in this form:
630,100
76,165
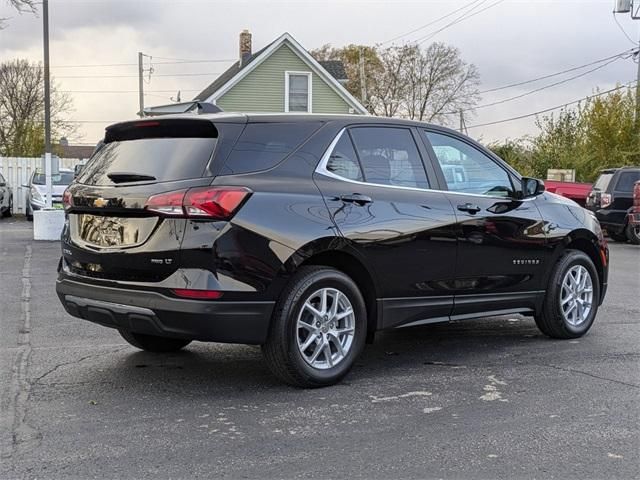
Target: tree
22,109
21,6
601,133
431,84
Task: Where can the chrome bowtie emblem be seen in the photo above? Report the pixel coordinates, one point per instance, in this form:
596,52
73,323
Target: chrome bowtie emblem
100,202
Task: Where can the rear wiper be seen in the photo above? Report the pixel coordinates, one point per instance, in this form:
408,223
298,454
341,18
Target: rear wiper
123,177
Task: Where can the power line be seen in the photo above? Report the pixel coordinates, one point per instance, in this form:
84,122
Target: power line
136,76
519,117
128,91
462,18
431,23
619,55
177,62
535,90
615,19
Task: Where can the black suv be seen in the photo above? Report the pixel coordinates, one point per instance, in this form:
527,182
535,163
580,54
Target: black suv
306,234
611,198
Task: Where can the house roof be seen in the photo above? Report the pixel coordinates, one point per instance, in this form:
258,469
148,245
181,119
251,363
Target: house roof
330,74
75,151
335,68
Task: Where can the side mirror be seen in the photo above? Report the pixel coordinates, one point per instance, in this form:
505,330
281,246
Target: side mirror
531,187
3,184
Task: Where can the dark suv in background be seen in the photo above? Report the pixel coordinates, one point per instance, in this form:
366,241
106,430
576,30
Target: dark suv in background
611,199
306,234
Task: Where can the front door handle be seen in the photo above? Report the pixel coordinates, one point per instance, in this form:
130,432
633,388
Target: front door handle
356,198
470,208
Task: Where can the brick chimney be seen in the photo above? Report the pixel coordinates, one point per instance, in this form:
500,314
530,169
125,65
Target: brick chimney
245,46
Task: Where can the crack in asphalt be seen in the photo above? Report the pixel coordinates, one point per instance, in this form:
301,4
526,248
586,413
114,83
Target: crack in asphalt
73,362
21,433
572,370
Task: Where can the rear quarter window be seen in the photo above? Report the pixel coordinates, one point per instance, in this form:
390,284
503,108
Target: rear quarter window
263,145
603,182
626,181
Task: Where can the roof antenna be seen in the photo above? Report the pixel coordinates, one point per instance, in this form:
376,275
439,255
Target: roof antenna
177,99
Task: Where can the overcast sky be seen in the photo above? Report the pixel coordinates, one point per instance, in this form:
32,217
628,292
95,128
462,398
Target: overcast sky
510,42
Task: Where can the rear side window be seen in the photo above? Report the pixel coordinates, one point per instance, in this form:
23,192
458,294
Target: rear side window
263,145
389,156
603,182
626,181
163,159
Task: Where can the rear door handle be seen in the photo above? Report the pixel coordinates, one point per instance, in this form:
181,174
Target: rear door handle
470,208
356,198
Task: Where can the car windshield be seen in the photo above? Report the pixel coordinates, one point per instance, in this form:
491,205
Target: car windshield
603,182
62,178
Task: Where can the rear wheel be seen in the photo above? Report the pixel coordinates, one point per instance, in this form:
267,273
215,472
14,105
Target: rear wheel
571,303
151,343
318,328
633,233
29,215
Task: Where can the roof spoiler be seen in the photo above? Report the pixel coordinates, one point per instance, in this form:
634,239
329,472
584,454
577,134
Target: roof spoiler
184,107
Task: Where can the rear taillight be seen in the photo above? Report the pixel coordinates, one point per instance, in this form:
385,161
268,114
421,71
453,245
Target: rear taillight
67,200
636,196
605,200
216,203
197,294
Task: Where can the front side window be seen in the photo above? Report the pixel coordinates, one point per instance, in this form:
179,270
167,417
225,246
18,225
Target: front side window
297,92
468,170
389,156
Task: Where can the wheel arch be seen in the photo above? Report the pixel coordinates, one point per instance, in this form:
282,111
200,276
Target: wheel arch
337,254
587,242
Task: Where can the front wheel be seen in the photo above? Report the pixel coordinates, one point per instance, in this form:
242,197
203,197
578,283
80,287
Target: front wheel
318,328
633,233
152,343
572,298
9,211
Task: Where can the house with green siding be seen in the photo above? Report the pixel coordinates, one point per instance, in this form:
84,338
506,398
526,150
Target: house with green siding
281,77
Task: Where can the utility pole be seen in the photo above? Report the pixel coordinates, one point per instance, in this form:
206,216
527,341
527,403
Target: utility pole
141,83
363,85
631,6
47,105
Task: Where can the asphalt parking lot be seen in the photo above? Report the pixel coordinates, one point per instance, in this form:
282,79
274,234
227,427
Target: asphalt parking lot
489,398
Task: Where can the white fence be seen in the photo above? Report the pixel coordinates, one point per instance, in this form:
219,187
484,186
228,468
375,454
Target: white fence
17,172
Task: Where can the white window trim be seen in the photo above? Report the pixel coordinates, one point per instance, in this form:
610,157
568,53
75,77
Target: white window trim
309,90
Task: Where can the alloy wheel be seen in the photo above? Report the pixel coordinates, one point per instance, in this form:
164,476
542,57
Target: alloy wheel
325,328
576,295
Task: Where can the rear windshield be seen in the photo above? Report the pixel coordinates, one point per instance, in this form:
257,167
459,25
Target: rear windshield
264,145
62,178
626,181
165,159
603,182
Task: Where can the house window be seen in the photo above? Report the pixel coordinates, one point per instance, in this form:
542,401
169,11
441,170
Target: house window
297,92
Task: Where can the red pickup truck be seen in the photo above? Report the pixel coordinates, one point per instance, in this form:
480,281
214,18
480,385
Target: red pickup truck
577,192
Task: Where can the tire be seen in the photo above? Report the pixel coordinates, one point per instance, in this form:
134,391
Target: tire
633,233
618,237
551,320
29,215
9,211
283,349
151,343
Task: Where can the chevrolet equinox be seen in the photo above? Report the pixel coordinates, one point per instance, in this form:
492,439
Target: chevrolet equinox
306,234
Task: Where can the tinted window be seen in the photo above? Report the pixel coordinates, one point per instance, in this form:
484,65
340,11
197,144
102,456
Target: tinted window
468,170
166,159
344,161
62,178
626,181
389,156
603,182
264,145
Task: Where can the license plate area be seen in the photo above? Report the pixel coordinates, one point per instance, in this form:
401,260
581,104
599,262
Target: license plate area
105,232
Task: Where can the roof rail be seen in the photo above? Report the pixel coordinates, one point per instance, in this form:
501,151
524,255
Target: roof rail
183,107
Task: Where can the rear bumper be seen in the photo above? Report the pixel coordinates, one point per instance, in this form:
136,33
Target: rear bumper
152,313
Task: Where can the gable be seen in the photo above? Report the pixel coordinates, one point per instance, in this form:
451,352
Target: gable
263,89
